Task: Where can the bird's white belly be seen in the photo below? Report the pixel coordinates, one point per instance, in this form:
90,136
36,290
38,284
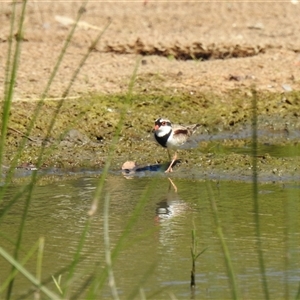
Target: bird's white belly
174,143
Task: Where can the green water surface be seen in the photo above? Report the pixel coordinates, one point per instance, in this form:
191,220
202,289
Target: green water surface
154,256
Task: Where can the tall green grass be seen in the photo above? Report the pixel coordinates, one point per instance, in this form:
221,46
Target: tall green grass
235,289
97,276
255,196
227,255
12,63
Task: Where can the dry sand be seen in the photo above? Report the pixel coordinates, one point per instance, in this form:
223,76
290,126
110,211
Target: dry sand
185,46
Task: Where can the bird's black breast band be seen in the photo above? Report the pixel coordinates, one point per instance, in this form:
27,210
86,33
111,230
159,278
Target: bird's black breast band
162,140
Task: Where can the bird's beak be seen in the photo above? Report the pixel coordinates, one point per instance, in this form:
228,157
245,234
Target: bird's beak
156,127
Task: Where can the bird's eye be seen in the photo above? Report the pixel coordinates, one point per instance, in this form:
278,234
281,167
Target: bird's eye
163,123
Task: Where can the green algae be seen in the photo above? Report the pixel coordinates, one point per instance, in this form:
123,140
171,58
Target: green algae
94,118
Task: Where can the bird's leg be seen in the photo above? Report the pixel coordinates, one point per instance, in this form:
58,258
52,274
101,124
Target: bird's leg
173,184
169,155
171,164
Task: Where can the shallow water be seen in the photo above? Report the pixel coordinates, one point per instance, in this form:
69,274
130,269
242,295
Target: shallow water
289,150
155,253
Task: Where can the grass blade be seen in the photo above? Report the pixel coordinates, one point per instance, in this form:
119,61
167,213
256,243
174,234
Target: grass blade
11,75
111,278
255,196
115,139
29,276
228,261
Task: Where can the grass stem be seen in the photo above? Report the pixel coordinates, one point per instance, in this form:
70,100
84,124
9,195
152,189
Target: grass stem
29,276
228,260
111,278
195,254
255,196
11,75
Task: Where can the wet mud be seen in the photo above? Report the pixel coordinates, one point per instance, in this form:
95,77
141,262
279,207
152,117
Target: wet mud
199,63
90,130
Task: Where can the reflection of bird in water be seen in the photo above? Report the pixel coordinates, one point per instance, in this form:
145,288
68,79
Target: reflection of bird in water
130,169
170,217
171,206
172,136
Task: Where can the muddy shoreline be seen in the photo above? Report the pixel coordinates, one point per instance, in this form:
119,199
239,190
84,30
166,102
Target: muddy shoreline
198,63
85,128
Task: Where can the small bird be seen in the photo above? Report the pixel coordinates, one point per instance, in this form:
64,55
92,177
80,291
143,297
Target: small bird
172,136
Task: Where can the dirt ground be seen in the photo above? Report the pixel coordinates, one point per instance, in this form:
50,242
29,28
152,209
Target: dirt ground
189,46
197,64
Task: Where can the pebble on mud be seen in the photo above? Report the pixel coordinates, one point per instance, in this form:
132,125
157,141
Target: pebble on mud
128,168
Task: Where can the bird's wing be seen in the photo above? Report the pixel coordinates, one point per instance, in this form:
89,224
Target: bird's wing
186,130
178,130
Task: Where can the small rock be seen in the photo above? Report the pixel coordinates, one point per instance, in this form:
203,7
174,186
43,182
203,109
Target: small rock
287,87
129,165
257,26
235,77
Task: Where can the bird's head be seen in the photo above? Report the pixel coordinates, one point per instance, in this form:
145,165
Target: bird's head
162,126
